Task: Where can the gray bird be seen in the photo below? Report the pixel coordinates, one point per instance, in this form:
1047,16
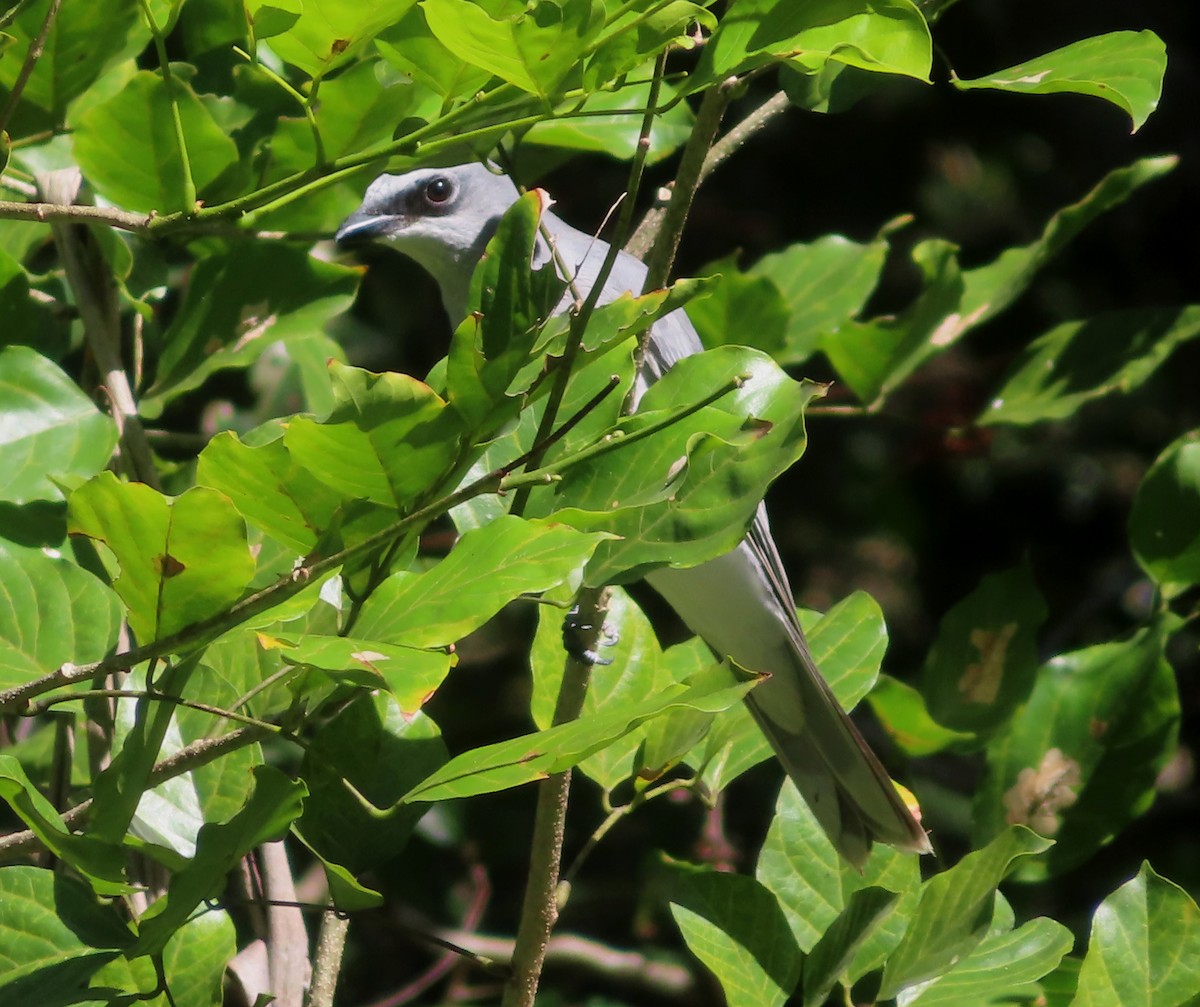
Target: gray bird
739,603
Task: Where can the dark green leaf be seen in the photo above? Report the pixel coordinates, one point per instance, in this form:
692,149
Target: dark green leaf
1077,362
639,668
85,41
823,284
735,927
983,662
742,309
875,356
508,304
381,752
1079,760
389,439
22,319
834,952
102,864
269,489
238,304
815,886
617,133
1164,525
1004,968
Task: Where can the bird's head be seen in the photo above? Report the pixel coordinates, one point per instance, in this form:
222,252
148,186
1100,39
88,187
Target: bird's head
440,217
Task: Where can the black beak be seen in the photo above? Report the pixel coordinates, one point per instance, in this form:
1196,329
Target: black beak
359,228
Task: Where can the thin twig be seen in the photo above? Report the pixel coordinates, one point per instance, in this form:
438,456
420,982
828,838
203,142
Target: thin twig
95,292
193,756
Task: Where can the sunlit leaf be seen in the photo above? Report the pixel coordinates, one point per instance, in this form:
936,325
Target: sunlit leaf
1124,67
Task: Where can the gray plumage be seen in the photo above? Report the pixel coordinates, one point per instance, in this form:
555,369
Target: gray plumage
739,603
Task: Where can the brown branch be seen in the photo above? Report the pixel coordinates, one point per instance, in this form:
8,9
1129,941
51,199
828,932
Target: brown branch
198,753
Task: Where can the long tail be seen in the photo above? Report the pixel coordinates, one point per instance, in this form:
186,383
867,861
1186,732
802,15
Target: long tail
741,605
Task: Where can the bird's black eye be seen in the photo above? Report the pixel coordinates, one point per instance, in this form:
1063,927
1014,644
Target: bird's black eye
439,189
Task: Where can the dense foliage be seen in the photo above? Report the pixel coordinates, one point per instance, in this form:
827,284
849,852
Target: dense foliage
244,677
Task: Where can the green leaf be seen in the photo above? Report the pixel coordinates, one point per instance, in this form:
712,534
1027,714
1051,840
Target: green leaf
1123,67
53,613
886,36
1077,362
413,49
686,493
142,727
902,712
274,805
316,37
51,429
536,756
195,958
380,751
238,304
955,911
409,674
1004,968
1079,760
983,663
621,318
128,148
639,668
54,934
84,42
815,886
171,813
23,319
508,306
356,110
181,559
535,50
735,927
833,954
847,643
1144,949
269,489
389,439
102,864
486,569
874,357
742,309
1164,524
617,134
823,284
